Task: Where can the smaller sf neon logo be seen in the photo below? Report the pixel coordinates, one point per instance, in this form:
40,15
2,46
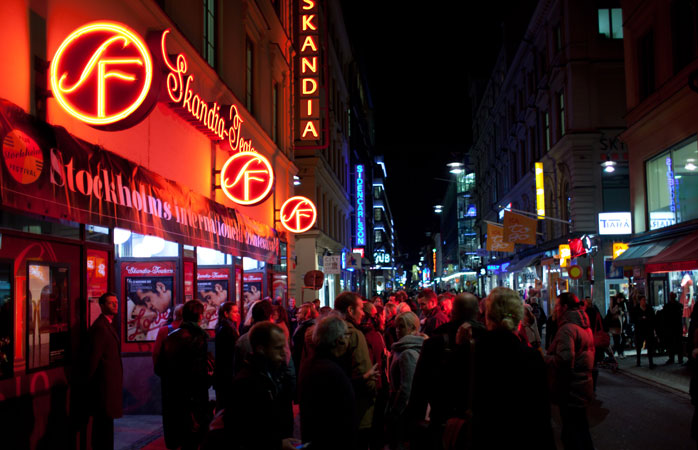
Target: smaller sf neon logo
115,73
298,214
247,178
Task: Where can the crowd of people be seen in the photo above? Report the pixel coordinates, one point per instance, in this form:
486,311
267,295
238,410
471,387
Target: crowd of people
425,371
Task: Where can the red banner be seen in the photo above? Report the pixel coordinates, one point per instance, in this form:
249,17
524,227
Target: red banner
48,171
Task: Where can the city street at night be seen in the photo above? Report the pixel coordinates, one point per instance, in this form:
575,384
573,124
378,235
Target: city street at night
348,225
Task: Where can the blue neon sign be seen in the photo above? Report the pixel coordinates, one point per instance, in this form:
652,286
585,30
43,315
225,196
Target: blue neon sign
360,231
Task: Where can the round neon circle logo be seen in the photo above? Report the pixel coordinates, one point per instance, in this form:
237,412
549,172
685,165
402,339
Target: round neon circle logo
247,178
23,157
298,214
101,73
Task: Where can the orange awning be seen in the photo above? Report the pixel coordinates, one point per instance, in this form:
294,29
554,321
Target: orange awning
682,255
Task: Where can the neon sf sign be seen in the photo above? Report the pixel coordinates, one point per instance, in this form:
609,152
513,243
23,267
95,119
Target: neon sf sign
101,74
309,72
247,178
298,214
360,207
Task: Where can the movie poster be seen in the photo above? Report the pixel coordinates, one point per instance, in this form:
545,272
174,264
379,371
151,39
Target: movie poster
212,287
149,305
251,288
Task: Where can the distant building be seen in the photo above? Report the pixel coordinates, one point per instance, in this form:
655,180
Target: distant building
555,96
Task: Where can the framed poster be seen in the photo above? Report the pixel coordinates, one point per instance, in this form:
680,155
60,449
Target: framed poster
148,289
279,287
251,288
97,281
213,288
188,280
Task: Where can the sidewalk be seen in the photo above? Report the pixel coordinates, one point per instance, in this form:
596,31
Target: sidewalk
133,432
675,377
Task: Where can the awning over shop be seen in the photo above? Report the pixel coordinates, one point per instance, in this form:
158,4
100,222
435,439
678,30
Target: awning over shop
522,263
48,171
681,255
639,254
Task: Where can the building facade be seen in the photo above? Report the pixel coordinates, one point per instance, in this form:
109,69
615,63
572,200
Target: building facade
555,96
661,69
158,143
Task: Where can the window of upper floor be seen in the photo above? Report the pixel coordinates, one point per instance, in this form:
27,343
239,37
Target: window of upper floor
209,35
683,33
645,64
249,74
610,22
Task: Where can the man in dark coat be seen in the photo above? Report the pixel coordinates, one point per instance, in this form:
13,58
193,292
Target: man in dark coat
327,406
262,416
183,368
226,337
672,319
104,373
432,315
438,377
645,324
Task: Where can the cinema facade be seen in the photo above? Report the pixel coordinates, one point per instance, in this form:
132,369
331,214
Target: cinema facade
144,155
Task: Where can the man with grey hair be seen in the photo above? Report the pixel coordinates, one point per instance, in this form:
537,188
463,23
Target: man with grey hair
325,391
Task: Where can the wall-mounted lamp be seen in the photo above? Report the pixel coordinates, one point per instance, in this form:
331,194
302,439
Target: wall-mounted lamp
609,166
296,180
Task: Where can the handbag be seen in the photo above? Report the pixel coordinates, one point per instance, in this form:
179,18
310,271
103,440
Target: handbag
601,337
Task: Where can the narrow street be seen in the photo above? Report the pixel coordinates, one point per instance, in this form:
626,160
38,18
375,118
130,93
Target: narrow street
632,414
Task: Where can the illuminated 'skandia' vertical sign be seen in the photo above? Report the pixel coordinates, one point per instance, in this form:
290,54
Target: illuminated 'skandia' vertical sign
308,70
360,207
540,191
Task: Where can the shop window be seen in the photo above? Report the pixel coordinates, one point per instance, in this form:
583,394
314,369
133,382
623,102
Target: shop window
210,257
672,185
6,322
96,233
611,22
252,264
36,225
133,245
47,307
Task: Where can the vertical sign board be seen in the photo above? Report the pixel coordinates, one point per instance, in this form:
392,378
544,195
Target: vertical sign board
308,71
540,190
360,231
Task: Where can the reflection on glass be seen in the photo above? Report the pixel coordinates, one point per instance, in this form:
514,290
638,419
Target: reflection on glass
47,304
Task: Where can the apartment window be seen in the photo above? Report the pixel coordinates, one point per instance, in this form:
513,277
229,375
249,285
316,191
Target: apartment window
547,131
209,50
683,33
249,74
672,185
558,38
645,63
611,22
378,236
275,113
561,98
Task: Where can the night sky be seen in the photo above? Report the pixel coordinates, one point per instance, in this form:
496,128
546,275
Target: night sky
419,62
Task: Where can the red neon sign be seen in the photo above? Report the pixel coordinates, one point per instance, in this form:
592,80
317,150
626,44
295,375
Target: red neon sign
101,74
298,214
247,178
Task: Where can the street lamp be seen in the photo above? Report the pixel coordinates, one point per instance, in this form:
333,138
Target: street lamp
609,166
438,209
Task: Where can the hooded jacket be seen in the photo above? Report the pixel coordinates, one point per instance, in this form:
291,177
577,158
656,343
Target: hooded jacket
402,365
570,359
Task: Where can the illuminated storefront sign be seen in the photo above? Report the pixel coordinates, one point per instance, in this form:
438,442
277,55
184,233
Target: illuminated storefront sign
661,219
360,207
565,255
360,251
540,190
309,71
380,257
615,223
619,248
101,74
298,214
247,178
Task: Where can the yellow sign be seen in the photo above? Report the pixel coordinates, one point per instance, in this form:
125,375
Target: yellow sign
618,249
540,192
565,255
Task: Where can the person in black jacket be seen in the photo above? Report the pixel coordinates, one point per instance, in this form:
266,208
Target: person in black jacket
184,370
226,337
673,328
327,402
643,318
305,318
262,417
104,373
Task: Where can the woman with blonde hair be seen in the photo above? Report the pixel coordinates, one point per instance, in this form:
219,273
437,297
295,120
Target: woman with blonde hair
403,361
511,381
